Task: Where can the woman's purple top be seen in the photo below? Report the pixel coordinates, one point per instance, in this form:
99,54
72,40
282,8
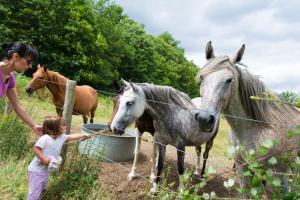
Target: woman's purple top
10,83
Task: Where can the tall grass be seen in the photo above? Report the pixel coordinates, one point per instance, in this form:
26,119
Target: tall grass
78,179
13,137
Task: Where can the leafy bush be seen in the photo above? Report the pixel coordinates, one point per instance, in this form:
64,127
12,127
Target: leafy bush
289,97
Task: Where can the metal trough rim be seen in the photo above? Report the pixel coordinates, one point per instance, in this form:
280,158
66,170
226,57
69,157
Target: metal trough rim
125,135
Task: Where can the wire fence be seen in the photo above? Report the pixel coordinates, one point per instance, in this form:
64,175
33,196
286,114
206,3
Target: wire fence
228,169
189,109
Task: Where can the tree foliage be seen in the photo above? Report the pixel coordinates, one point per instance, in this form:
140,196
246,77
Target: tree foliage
94,42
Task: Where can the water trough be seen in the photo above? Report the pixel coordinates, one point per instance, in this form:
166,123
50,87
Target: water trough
114,147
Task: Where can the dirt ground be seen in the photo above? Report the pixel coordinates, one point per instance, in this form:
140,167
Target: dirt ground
114,177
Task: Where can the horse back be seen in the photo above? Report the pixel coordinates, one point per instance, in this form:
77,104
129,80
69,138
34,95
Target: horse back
86,99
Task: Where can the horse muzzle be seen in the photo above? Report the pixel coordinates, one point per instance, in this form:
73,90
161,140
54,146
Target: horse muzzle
206,121
118,131
29,90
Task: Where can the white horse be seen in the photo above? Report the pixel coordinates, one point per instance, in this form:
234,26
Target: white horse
227,88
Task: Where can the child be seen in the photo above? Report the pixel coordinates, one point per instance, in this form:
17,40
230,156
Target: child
47,150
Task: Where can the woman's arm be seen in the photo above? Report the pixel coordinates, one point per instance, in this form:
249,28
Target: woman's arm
38,152
78,136
14,100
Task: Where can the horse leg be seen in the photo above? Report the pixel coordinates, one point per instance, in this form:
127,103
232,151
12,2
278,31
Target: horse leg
154,162
85,119
138,140
92,115
198,151
92,118
160,165
180,166
208,147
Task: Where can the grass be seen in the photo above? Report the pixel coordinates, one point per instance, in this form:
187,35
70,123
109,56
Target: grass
67,185
13,178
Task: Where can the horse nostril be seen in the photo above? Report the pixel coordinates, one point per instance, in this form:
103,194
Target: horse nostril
211,119
196,116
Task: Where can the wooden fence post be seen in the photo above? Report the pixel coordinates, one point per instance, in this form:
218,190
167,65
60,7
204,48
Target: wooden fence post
67,114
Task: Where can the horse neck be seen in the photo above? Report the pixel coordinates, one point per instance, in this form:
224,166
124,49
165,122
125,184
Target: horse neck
56,84
238,119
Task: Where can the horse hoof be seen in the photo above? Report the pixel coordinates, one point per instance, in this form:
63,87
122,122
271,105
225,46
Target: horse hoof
197,173
131,176
153,191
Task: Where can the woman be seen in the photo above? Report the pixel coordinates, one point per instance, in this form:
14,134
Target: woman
17,57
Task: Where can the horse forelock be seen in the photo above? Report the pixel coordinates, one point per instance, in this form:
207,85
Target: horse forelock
213,65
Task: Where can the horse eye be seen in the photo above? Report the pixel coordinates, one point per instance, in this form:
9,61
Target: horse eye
229,80
201,79
129,103
40,77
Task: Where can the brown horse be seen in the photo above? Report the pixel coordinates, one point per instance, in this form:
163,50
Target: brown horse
145,124
86,99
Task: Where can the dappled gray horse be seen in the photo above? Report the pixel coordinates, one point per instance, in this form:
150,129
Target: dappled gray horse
227,88
145,124
173,120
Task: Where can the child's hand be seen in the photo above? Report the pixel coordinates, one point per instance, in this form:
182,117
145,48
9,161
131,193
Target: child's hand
88,136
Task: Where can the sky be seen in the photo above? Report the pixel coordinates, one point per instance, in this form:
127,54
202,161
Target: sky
269,29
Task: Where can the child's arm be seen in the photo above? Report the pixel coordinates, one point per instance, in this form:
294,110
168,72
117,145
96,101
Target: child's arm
38,152
78,136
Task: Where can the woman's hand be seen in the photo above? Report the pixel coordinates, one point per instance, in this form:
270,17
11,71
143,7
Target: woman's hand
38,130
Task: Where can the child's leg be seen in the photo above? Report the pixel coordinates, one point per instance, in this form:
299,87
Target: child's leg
37,184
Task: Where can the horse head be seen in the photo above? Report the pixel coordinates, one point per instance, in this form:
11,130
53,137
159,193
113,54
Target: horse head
218,80
39,80
132,104
116,101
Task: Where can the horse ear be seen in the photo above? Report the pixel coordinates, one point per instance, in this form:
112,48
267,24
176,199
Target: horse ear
45,68
209,51
125,82
133,86
38,66
238,57
116,84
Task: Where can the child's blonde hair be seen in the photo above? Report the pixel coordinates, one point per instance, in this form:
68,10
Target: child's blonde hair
53,125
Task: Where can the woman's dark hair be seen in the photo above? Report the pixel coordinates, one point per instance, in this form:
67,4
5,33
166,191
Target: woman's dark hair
24,50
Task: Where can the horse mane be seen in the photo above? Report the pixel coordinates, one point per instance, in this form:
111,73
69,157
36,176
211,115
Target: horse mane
263,110
163,96
56,78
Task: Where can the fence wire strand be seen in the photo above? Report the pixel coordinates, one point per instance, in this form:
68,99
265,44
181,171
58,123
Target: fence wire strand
186,153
